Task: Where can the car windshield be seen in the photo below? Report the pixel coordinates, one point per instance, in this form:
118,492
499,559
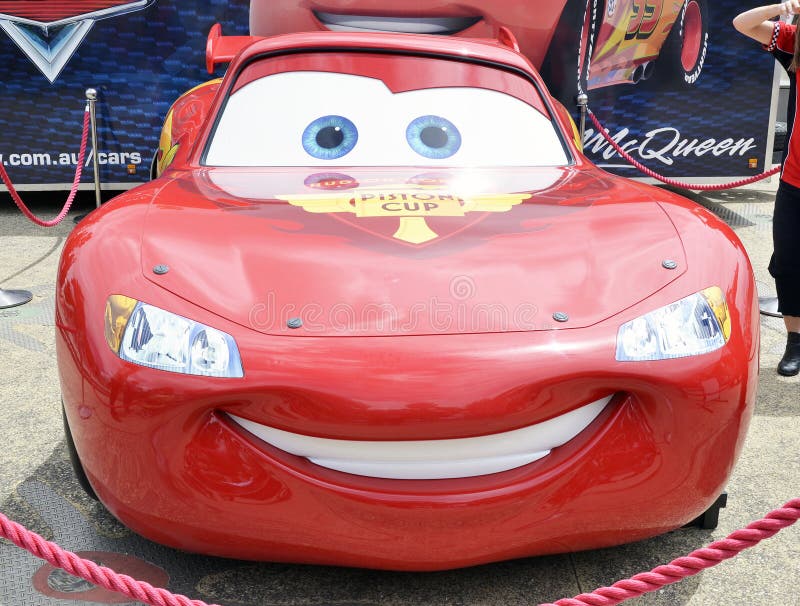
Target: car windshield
365,109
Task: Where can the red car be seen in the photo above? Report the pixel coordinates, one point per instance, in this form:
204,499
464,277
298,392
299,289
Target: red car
378,310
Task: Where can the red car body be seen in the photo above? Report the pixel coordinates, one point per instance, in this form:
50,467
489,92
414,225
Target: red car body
572,251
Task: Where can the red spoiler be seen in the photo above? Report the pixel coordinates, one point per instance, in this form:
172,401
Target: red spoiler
222,49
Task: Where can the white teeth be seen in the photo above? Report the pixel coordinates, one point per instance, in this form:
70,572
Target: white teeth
434,459
404,25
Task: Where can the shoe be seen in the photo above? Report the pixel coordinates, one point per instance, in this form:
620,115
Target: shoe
789,365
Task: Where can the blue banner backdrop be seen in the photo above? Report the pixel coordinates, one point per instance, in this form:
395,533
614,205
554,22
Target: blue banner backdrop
142,60
711,128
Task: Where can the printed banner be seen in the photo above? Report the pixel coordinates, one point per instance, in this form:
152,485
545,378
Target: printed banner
140,56
671,80
699,110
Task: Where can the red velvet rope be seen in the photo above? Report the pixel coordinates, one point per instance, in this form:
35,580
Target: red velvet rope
76,181
667,180
620,591
695,562
88,570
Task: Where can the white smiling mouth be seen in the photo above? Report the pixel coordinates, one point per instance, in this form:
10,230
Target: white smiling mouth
405,25
433,459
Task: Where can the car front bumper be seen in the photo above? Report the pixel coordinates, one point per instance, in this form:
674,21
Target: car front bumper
165,457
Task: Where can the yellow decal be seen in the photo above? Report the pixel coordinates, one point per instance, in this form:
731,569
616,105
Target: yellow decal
615,40
167,148
411,206
576,134
633,28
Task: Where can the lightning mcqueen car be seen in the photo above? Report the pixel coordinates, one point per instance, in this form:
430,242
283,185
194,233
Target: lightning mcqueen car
378,310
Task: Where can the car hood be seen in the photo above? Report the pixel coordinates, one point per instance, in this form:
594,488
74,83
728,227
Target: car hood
404,252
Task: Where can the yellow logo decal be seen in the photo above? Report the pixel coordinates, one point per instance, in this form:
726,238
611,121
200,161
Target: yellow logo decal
411,206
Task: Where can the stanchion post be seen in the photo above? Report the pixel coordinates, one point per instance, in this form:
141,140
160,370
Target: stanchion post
768,306
582,100
91,97
12,298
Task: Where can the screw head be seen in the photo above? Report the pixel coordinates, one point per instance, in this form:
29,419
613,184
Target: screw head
160,269
560,316
669,264
294,322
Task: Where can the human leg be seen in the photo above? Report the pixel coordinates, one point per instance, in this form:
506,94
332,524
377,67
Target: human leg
785,268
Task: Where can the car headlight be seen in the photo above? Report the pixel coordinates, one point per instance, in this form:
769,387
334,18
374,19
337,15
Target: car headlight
695,325
146,335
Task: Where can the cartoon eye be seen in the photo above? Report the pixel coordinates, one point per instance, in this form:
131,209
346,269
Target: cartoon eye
433,137
330,137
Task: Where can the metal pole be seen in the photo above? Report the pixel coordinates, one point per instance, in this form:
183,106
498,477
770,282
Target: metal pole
582,101
12,298
91,97
768,306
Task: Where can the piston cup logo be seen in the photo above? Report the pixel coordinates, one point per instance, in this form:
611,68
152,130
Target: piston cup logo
50,31
412,205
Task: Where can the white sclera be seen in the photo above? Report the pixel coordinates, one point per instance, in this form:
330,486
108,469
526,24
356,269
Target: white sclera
263,122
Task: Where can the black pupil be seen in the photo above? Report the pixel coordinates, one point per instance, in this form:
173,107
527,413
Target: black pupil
434,136
330,137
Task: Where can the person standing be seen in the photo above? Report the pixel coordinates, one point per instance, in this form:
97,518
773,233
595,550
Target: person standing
781,39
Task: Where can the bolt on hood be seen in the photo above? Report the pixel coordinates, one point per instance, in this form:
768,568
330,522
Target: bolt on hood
394,252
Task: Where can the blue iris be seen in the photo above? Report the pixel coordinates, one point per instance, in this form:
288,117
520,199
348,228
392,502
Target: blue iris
433,137
330,137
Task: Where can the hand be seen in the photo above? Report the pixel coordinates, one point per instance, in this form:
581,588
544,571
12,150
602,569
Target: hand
790,7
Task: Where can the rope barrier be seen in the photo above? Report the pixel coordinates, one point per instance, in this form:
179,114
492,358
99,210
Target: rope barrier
73,191
620,591
695,562
674,182
88,570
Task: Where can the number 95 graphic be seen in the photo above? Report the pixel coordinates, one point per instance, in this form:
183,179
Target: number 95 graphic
644,17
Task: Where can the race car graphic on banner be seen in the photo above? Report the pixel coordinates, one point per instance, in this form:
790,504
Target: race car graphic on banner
671,80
